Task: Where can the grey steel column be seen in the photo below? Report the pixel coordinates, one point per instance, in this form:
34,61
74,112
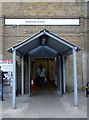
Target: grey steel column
14,80
22,72
64,75
59,87
29,89
60,60
57,72
75,78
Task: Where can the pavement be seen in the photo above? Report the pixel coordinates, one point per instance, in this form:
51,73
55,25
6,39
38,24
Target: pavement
45,103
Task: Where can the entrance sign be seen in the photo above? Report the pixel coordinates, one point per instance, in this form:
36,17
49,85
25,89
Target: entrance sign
41,21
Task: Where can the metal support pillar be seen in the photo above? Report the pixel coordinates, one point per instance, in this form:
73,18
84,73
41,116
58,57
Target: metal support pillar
29,88
14,80
58,85
75,78
22,72
64,75
59,90
60,60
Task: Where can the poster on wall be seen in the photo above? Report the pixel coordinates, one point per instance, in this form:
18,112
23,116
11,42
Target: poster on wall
6,65
8,72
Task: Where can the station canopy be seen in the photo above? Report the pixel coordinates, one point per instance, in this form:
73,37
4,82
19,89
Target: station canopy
44,44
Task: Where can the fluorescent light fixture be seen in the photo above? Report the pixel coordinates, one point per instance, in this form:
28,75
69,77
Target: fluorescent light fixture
41,21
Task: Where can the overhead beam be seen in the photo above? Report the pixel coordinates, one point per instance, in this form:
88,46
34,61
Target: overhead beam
43,40
68,52
19,53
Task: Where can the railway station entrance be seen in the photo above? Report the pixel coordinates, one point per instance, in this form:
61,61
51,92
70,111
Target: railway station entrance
46,48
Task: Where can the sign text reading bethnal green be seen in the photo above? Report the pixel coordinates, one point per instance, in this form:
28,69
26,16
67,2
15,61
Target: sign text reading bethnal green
35,21
41,21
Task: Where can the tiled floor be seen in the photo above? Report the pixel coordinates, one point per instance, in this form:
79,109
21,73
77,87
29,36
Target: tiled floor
45,104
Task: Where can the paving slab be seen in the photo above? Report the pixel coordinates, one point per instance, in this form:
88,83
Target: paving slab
45,105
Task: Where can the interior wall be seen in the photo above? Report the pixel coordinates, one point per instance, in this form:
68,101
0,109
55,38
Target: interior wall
49,65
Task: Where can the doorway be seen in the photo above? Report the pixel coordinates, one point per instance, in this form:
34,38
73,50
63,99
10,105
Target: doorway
50,67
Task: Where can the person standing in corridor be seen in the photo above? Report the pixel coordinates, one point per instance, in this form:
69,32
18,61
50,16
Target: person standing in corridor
41,75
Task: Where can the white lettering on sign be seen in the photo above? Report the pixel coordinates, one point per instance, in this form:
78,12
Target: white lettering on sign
41,21
6,61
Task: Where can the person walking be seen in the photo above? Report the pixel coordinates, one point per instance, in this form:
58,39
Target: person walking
1,83
41,75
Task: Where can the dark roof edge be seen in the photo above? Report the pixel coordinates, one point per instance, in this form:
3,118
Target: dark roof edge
44,30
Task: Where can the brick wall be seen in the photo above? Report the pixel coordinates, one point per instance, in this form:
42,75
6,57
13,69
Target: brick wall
74,34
